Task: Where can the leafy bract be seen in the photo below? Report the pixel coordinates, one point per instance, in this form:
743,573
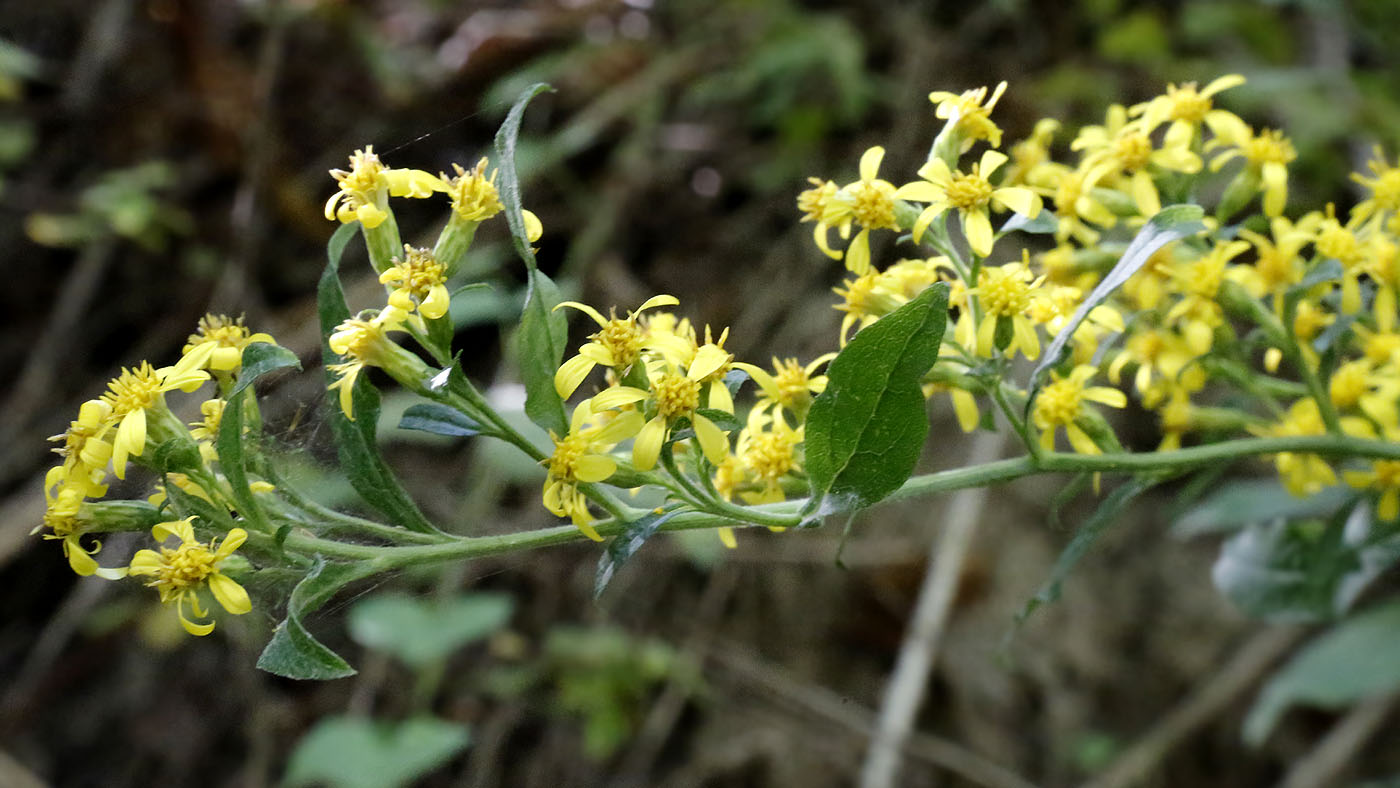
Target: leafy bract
439,420
260,358
625,545
865,431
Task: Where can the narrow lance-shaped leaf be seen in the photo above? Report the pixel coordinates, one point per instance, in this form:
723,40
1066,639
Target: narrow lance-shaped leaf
355,441
625,545
1170,224
439,420
865,432
259,359
543,331
293,652
1104,517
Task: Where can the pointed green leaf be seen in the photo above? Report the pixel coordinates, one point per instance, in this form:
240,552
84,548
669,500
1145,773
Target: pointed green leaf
625,545
1171,223
1353,661
508,182
1104,517
259,359
293,652
356,441
864,433
439,420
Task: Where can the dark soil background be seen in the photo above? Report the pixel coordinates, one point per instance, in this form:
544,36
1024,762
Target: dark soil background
161,158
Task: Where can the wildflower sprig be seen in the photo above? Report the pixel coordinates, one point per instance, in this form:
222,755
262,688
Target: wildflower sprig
1274,338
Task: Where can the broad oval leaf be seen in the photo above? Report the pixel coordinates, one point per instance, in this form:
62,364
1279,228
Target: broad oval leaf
865,432
1354,660
1171,223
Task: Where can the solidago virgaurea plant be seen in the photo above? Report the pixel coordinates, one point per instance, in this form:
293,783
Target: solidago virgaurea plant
1159,261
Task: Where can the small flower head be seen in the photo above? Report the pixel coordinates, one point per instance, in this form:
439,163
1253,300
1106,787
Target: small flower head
224,339
473,192
420,283
1007,294
1061,404
617,345
366,187
181,572
141,390
971,194
363,343
1384,187
968,115
581,457
868,202
85,441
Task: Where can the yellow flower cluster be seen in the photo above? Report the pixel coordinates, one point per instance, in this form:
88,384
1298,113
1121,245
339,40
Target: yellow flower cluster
1262,324
122,426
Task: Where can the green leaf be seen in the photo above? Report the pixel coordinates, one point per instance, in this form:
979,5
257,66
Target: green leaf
866,431
355,441
259,359
439,420
543,334
625,545
354,752
292,652
423,631
1353,661
1045,223
508,182
186,505
1245,502
1303,571
233,462
543,331
1104,517
1170,224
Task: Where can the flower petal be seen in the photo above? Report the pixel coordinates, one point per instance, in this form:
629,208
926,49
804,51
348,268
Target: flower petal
647,447
712,439
230,594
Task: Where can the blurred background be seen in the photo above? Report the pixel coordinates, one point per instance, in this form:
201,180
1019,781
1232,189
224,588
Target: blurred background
162,158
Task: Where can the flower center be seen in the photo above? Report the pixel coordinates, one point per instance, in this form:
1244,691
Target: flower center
771,455
1338,242
968,192
623,338
365,172
676,395
226,331
872,204
1058,403
185,566
1269,146
792,382
567,453
1132,151
420,272
136,389
1004,293
1387,473
1187,104
1386,190
473,192
1380,348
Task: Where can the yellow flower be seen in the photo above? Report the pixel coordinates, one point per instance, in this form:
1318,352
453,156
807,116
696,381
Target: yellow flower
224,339
969,115
1266,154
473,193
865,300
85,441
1122,147
365,190
971,194
1159,356
1030,155
617,346
1342,244
1186,109
1072,192
671,395
1006,294
1384,478
581,457
1062,402
142,389
790,387
180,573
420,283
364,343
768,450
868,202
1278,264
1384,186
